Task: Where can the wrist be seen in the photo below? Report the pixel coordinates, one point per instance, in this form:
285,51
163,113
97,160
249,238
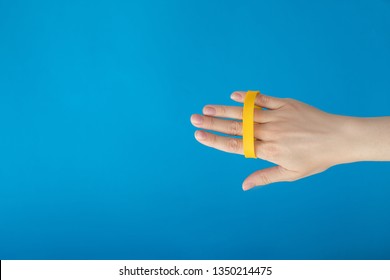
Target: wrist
364,139
350,146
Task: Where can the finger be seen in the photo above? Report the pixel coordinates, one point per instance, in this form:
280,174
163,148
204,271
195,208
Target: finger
222,143
264,150
262,100
235,112
230,127
268,176
225,126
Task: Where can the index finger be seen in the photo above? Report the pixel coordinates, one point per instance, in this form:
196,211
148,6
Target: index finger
235,112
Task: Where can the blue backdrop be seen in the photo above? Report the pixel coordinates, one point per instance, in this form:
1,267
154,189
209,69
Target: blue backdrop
97,154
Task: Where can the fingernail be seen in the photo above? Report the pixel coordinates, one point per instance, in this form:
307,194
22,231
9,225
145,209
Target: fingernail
200,135
197,119
208,110
247,185
236,96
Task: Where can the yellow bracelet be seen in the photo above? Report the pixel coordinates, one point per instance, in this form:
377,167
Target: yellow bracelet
248,136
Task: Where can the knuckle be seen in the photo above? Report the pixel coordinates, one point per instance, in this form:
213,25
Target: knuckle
271,151
293,178
233,145
270,130
211,138
264,99
277,134
240,114
288,175
259,115
256,127
222,110
289,102
234,128
264,179
211,122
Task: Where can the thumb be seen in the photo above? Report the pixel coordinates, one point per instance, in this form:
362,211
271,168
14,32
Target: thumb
268,176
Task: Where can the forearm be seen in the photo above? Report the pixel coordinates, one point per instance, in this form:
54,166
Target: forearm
368,139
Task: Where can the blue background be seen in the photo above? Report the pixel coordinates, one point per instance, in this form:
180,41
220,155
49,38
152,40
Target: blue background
97,154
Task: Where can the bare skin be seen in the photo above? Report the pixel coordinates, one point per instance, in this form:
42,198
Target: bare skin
300,139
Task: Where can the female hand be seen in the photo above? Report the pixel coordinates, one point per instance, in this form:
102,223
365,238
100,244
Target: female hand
300,139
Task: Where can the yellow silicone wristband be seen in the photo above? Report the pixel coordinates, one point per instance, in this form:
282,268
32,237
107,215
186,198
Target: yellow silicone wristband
248,136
